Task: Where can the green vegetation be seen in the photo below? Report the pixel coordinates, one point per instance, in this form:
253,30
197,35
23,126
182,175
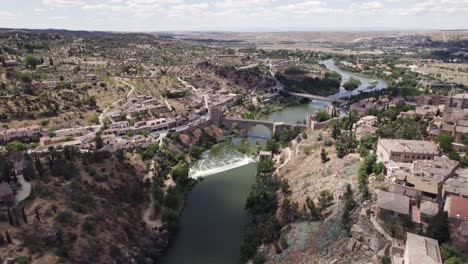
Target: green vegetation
263,227
439,227
445,142
346,143
325,199
325,87
31,62
452,255
322,116
323,156
352,84
403,128
348,205
16,146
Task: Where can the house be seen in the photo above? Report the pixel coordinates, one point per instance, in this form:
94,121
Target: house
45,84
431,99
455,191
363,131
396,203
421,111
92,78
425,178
406,151
7,135
47,141
454,118
148,109
6,193
73,132
121,124
264,155
419,249
10,63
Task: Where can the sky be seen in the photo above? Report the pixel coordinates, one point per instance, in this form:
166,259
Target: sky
233,15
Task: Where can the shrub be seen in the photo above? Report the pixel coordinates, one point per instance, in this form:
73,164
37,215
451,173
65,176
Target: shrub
322,116
307,150
325,199
380,177
444,141
88,224
22,260
64,217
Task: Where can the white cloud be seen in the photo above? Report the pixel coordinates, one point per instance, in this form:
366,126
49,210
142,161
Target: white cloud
6,15
57,17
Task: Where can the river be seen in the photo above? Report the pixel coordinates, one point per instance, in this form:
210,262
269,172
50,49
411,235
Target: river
211,225
366,82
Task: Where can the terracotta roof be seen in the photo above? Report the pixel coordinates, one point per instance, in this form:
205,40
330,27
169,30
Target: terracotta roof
458,207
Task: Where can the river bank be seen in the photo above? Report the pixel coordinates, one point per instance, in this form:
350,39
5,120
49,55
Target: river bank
346,75
212,223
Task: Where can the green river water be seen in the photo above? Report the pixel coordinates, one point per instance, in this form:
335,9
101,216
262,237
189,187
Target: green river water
211,225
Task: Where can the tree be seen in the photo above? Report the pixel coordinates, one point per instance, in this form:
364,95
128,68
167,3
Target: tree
31,61
6,170
180,172
322,116
348,205
352,84
378,168
438,227
452,255
16,146
345,144
335,129
313,211
29,172
333,75
323,156
99,141
444,141
51,132
325,199
271,145
94,119
265,165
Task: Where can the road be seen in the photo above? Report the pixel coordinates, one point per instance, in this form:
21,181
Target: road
187,84
102,116
317,97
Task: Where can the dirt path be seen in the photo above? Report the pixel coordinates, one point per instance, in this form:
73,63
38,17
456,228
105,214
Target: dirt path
149,212
25,190
290,154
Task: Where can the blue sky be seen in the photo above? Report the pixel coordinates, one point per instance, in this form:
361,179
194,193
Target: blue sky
233,15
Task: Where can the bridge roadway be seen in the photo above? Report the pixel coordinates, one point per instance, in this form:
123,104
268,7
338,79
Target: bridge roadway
245,124
317,97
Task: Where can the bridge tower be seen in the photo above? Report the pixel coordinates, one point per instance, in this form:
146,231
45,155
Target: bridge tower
215,115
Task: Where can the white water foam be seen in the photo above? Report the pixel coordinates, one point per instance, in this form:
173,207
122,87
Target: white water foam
207,167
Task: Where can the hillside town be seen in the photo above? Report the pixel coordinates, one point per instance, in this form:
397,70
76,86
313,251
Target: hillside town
355,158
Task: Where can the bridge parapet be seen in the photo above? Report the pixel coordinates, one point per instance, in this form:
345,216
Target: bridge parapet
243,125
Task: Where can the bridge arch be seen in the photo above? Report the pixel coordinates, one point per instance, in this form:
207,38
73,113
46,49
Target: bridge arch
260,131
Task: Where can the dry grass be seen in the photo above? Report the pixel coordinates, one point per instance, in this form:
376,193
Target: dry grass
457,73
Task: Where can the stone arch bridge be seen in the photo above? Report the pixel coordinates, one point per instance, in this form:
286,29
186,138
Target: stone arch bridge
243,125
